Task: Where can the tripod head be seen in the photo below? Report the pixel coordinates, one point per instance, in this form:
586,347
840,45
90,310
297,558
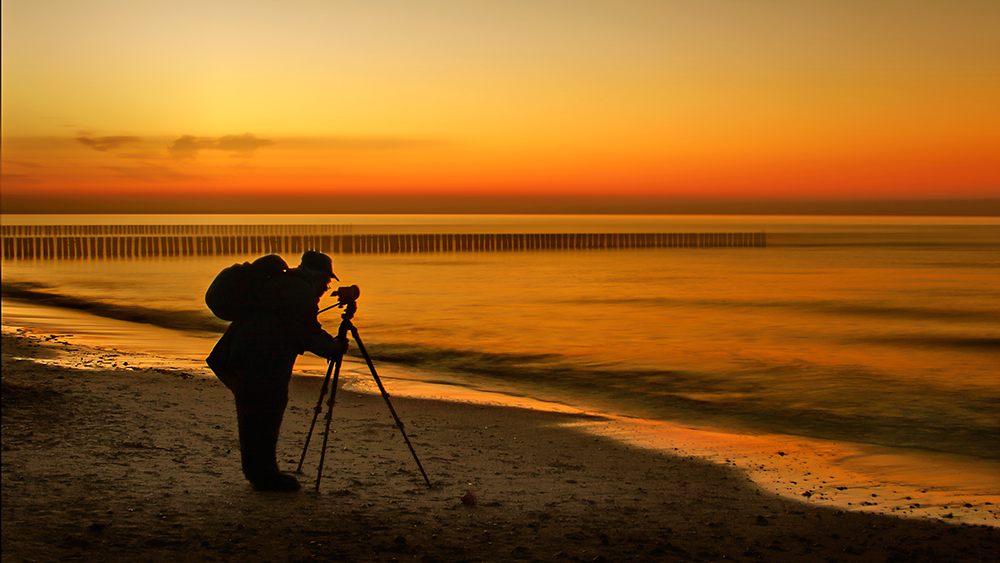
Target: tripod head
347,297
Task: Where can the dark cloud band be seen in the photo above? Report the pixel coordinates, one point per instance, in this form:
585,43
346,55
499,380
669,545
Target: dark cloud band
105,144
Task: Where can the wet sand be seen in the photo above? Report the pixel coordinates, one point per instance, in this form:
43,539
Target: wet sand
106,462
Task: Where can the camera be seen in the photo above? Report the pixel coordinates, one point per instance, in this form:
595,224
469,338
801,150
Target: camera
346,295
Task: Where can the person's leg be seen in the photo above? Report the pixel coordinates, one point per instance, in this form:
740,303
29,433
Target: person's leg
259,427
259,416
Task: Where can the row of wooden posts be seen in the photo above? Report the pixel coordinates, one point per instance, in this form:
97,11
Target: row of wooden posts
169,230
25,247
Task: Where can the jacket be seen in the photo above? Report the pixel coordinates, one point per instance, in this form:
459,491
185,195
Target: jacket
260,351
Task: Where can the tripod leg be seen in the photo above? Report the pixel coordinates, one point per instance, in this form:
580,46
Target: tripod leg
318,409
329,417
385,395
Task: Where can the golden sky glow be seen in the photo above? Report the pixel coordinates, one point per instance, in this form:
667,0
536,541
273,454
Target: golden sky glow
790,98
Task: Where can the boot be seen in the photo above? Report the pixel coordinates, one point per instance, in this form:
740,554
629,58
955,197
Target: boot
278,483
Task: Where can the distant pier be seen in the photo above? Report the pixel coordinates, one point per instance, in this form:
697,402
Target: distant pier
28,242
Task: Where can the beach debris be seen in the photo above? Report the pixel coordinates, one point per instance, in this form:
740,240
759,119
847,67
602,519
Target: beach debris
761,521
469,498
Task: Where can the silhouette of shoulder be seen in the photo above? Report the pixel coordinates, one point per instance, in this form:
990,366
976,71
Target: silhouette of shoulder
290,294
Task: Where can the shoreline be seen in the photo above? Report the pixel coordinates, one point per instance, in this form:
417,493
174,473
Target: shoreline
115,463
845,476
840,475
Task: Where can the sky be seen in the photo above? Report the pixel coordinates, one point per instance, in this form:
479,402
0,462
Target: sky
394,100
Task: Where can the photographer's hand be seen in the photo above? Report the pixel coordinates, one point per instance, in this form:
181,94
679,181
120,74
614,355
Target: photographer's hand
341,345
332,348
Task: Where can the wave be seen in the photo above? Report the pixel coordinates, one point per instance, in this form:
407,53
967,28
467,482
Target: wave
41,294
854,308
756,399
985,344
852,404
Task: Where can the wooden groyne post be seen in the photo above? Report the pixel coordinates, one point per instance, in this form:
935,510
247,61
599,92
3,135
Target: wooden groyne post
29,242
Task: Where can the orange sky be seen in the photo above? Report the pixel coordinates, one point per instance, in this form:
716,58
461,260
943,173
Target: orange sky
710,99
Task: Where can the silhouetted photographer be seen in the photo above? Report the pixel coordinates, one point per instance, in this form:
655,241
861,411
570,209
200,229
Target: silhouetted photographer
273,312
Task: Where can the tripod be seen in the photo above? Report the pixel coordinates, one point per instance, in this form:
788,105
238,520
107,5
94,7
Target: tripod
348,299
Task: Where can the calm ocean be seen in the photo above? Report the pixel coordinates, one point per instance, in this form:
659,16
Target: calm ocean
878,331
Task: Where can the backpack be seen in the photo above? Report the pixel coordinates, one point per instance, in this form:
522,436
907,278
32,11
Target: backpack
236,291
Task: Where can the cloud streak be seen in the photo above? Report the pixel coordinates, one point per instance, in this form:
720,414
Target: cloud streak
18,179
107,144
188,146
24,163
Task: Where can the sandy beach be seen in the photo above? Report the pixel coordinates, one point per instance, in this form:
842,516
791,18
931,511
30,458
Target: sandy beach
108,462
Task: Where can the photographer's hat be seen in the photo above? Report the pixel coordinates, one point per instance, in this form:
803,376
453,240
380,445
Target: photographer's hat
318,262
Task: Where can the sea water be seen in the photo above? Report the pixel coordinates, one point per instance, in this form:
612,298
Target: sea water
881,332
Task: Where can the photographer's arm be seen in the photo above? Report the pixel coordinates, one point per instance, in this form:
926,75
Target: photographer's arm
318,341
299,306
